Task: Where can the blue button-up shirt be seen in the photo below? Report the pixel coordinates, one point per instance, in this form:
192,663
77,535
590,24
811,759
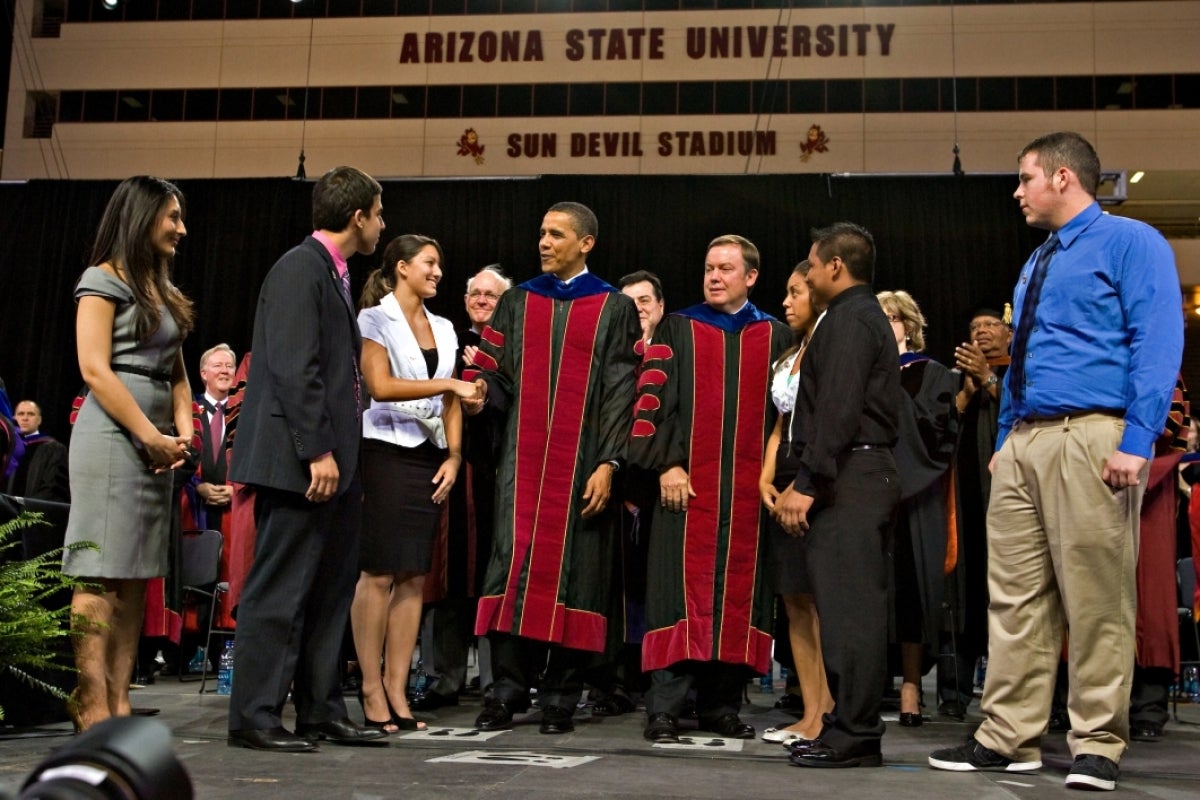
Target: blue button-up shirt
1108,330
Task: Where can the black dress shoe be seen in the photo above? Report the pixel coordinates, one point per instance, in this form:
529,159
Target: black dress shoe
431,701
953,708
278,740
613,704
556,720
342,731
662,727
911,720
819,754
791,703
1146,733
730,726
496,716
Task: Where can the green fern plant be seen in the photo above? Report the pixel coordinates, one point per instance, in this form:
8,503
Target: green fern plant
29,632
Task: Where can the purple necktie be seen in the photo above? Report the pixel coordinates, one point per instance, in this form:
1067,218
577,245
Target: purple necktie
216,429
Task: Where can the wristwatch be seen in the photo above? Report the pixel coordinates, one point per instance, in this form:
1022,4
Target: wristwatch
991,381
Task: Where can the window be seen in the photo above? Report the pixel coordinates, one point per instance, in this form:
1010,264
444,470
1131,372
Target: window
479,101
806,97
844,96
587,100
133,106
516,101
883,94
444,101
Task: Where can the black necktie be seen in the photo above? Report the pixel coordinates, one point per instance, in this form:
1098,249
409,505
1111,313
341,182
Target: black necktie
1016,372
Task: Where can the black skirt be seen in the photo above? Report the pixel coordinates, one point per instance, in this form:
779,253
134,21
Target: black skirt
786,554
400,519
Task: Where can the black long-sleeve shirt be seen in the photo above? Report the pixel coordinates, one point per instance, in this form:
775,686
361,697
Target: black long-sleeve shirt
849,388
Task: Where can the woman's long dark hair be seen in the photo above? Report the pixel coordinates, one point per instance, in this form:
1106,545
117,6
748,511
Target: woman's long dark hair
382,282
125,239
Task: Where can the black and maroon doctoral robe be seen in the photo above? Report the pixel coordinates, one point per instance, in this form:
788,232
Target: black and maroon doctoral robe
704,404
559,360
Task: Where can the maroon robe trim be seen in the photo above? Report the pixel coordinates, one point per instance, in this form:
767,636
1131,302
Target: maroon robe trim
651,377
483,361
492,336
704,466
738,641
642,428
646,402
548,430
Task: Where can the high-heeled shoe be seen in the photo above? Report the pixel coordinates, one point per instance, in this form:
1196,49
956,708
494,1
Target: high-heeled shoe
74,711
401,722
909,719
376,724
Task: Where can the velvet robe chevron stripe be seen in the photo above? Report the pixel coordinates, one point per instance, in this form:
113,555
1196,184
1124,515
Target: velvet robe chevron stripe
566,370
705,406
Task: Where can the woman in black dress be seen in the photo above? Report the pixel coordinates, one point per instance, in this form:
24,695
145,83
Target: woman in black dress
787,552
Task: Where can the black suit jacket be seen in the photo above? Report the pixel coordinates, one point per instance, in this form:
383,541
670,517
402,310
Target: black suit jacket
303,394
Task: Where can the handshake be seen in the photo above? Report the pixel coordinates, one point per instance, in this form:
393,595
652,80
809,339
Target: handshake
472,395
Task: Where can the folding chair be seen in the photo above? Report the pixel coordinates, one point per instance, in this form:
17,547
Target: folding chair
200,558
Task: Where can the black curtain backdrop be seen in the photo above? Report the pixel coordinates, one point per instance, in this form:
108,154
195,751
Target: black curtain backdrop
955,243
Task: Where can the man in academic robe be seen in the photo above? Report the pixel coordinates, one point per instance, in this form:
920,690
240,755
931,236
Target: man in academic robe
41,472
703,418
558,358
982,360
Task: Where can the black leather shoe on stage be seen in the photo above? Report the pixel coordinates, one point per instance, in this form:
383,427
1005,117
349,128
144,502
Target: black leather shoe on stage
730,726
1145,733
556,720
662,727
911,720
820,754
792,704
278,740
431,701
496,716
342,731
954,709
613,704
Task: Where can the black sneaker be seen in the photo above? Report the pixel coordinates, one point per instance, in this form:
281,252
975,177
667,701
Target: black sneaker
974,757
1093,772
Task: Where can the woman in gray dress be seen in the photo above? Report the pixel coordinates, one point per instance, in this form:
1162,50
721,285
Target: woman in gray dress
133,428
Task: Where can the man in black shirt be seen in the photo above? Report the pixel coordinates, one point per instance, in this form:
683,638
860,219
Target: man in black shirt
847,405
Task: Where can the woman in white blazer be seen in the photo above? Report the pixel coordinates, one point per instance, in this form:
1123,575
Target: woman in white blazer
411,455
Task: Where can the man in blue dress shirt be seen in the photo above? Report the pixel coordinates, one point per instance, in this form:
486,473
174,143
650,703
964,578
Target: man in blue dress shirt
1096,351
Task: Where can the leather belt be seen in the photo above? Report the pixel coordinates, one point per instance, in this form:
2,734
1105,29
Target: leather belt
869,447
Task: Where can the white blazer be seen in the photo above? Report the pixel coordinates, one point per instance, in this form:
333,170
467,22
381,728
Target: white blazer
407,422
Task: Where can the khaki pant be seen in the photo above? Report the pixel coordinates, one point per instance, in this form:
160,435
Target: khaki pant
1062,551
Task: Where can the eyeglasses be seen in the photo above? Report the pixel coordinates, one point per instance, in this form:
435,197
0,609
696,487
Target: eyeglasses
985,323
475,294
895,318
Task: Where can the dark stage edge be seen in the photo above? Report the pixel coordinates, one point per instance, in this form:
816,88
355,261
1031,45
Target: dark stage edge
626,766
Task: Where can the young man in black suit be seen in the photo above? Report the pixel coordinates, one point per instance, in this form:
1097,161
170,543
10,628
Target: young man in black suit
297,446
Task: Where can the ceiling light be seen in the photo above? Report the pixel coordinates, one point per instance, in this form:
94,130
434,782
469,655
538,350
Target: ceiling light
1137,176
110,4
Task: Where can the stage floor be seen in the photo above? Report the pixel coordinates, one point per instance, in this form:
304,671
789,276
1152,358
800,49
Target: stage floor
604,757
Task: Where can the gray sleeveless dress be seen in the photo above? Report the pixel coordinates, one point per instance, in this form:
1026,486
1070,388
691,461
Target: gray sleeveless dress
116,501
